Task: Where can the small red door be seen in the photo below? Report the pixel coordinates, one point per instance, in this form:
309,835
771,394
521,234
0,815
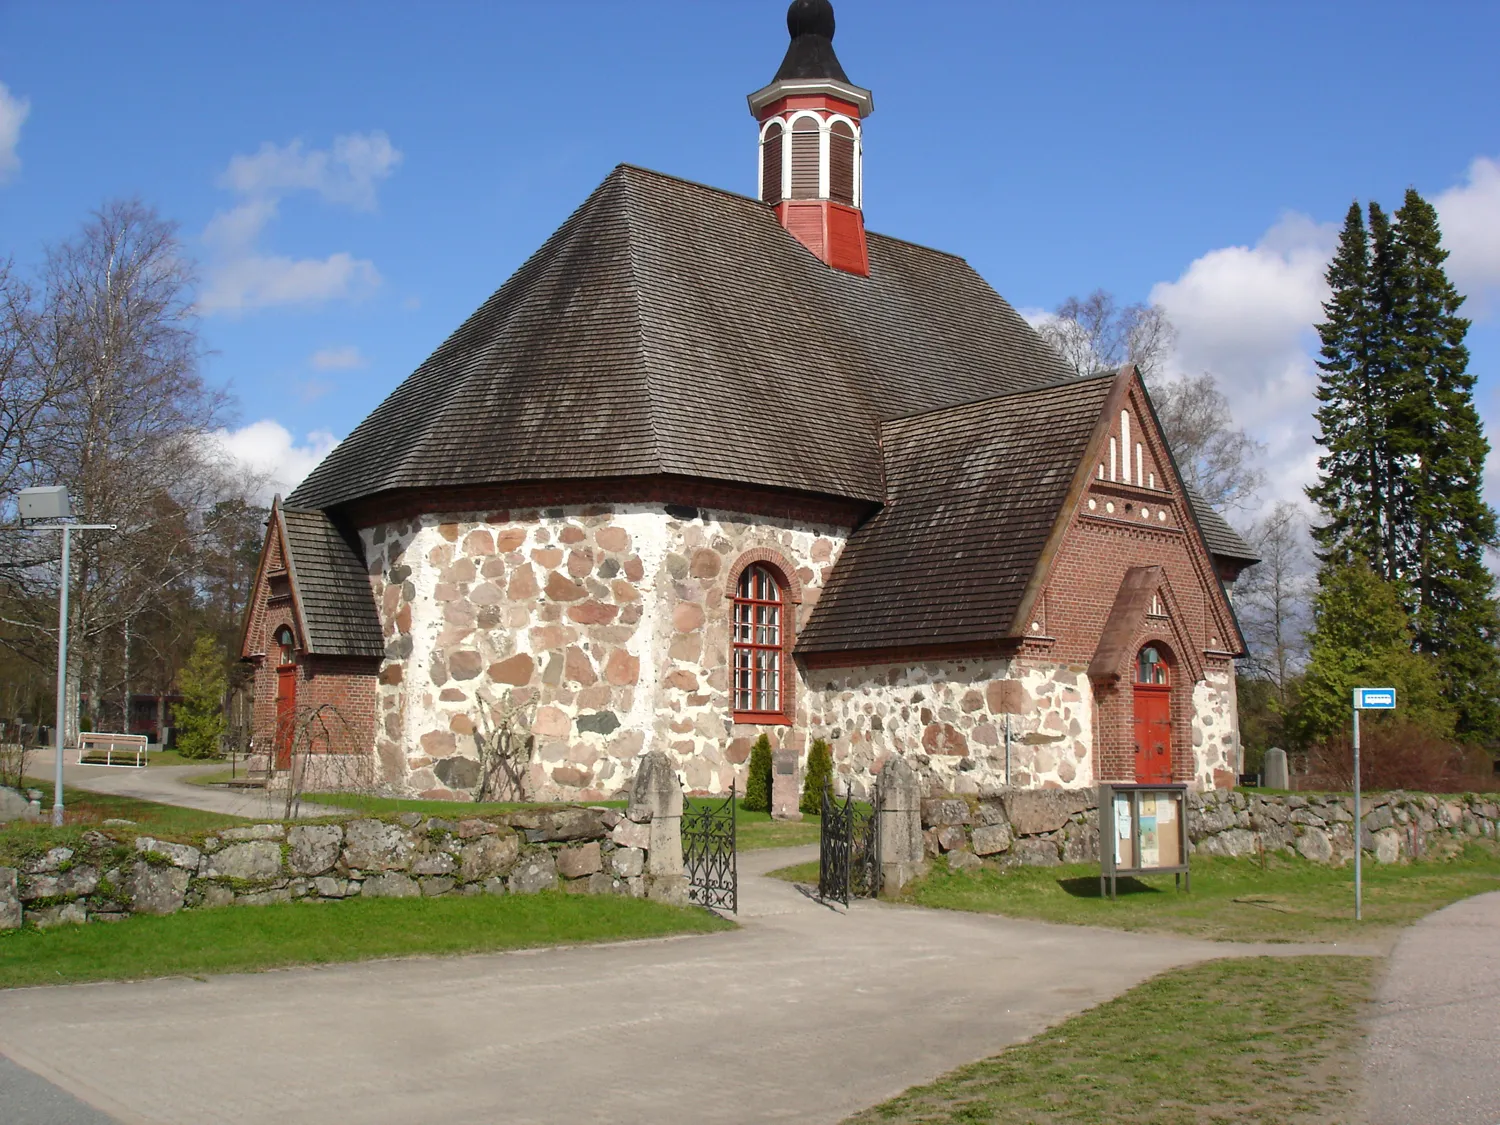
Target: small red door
1153,719
286,714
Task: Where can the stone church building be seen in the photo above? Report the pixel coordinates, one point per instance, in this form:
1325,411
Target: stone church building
710,466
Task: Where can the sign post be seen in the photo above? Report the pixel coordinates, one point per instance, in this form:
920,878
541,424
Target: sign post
1365,699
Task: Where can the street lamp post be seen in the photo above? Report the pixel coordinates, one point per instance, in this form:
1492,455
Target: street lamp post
51,503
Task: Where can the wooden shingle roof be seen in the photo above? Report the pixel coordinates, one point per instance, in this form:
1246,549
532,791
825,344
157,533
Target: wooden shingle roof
331,588
975,492
671,328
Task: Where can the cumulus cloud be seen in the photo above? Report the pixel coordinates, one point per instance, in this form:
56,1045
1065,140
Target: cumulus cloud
268,453
1246,314
240,276
345,358
1470,218
13,114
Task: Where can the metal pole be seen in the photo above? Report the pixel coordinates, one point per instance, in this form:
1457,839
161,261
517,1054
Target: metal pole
1358,822
62,678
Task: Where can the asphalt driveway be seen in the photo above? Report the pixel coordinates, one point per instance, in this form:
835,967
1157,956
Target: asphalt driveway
804,1014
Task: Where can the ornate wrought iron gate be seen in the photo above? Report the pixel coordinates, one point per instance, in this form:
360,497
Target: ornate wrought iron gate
708,855
849,849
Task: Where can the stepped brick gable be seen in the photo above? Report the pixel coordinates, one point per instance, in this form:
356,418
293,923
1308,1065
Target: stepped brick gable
710,466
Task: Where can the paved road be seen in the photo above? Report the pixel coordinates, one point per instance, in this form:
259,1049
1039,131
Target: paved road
1434,1049
805,1014
168,785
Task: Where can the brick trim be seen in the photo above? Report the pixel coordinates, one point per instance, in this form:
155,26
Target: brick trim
791,585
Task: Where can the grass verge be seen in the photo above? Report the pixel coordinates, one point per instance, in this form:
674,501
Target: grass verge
1289,899
1249,1039
235,939
84,809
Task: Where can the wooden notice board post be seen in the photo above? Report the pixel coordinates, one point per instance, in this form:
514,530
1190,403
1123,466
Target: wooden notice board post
1143,831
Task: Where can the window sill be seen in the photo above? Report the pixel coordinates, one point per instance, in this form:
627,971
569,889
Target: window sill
762,719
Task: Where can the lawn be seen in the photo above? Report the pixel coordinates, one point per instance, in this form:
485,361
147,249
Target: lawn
236,939
1251,1039
83,809
1289,899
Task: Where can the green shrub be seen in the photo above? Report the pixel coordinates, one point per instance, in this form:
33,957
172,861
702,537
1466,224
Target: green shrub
200,717
758,784
817,777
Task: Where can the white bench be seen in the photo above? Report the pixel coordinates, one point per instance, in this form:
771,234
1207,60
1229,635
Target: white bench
96,748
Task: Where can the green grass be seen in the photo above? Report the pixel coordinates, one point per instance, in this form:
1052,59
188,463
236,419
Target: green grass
84,809
235,939
756,830
1251,1039
1289,899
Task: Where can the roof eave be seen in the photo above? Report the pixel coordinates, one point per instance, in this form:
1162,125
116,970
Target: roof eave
787,87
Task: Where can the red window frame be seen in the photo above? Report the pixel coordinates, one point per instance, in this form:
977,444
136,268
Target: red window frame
761,635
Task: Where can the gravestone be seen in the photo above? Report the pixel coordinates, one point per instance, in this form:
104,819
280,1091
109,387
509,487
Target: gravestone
786,787
1273,773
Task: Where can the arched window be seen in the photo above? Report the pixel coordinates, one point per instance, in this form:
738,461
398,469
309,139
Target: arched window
770,163
760,643
807,157
841,144
286,647
1150,668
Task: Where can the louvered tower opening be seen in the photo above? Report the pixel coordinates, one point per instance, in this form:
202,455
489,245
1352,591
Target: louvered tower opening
806,158
770,163
841,163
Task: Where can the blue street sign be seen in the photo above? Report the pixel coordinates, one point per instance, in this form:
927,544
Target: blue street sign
1375,699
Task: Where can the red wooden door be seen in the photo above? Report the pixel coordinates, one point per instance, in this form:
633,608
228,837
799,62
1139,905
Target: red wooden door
286,714
1153,734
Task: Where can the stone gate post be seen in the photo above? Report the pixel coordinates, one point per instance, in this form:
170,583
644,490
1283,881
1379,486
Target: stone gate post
901,853
656,799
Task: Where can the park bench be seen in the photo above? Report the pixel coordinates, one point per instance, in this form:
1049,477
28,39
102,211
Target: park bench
97,748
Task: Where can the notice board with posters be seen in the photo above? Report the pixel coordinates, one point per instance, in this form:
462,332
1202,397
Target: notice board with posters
1142,831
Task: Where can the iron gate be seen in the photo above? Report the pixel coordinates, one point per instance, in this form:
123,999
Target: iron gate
849,849
708,856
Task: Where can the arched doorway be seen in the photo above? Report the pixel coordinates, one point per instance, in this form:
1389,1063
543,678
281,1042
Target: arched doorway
1153,717
286,696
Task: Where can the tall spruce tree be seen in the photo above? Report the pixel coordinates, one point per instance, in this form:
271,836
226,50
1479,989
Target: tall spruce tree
1400,478
1355,469
1449,525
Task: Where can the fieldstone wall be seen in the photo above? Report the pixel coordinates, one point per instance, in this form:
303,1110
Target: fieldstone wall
609,623
107,877
1048,827
948,720
1216,745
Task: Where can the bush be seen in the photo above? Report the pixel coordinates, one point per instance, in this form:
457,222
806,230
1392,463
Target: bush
818,776
758,784
1396,753
200,715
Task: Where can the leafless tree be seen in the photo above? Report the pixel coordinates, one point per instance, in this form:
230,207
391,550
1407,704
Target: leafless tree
112,340
502,736
1273,599
1216,457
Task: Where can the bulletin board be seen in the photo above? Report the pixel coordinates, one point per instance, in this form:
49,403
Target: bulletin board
1142,831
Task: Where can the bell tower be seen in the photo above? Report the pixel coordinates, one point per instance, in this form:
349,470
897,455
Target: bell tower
811,152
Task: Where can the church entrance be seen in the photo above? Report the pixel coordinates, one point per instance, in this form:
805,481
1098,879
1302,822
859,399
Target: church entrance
1153,718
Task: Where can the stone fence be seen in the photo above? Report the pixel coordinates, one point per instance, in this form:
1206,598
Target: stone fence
579,850
1043,827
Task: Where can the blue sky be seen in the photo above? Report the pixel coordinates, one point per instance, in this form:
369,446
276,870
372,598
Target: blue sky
355,179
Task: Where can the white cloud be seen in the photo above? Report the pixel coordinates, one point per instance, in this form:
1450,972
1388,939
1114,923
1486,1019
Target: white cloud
240,276
13,114
345,174
1470,217
1246,314
267,452
345,358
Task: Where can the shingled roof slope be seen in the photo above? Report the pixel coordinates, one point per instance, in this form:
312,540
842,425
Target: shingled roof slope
669,327
331,586
974,494
1221,539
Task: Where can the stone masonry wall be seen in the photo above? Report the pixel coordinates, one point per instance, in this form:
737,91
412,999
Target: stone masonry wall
948,719
609,622
109,876
1048,827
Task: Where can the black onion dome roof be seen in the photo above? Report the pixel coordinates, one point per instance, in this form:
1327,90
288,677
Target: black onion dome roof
810,23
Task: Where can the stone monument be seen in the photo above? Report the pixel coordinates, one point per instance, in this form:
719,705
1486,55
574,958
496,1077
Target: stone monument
786,786
1273,771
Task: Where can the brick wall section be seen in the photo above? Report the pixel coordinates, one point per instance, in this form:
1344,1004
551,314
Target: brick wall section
346,685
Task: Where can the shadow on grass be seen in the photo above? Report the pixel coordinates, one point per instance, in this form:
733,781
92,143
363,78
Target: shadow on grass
1088,887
